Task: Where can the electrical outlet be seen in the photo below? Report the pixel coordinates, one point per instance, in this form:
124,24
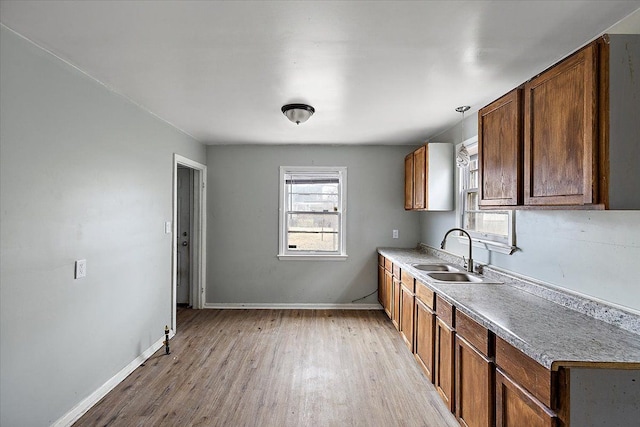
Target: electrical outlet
81,268
395,234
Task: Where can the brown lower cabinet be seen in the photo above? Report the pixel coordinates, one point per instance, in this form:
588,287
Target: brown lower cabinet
517,407
527,393
381,287
444,352
474,373
424,328
388,292
482,379
395,303
406,311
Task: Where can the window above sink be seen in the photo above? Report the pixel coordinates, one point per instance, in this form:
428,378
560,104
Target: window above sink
491,230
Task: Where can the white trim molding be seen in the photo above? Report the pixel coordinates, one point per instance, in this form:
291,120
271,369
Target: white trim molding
81,408
291,306
312,257
200,230
284,253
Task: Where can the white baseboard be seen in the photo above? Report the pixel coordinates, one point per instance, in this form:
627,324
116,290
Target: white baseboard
294,306
81,408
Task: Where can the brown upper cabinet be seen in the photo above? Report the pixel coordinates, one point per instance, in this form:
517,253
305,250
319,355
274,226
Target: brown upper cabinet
560,133
569,137
428,178
408,182
420,165
500,151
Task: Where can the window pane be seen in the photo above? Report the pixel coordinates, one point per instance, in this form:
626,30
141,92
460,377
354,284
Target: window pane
472,201
313,232
488,222
473,172
312,193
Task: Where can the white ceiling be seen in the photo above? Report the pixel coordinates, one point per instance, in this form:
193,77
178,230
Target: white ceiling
377,72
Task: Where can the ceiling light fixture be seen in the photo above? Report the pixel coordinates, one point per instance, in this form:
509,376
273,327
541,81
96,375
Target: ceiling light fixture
298,113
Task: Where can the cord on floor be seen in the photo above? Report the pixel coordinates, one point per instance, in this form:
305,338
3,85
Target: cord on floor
368,295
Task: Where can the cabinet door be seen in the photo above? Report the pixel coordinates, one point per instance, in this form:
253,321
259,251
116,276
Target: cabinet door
406,315
515,407
419,178
500,151
560,133
443,379
425,320
381,288
395,303
474,386
388,292
408,182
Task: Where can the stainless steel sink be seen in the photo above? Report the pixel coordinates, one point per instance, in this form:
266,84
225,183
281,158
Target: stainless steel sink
455,277
434,267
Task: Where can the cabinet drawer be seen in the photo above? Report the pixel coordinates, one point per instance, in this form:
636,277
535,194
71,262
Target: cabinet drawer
425,295
444,311
476,334
407,280
388,264
380,260
528,373
396,271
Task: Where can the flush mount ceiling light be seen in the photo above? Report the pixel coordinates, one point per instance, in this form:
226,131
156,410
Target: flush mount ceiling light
298,113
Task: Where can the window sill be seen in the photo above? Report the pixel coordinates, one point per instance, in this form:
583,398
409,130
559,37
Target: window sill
282,257
488,245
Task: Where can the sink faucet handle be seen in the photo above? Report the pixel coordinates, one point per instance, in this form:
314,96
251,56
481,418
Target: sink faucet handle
468,264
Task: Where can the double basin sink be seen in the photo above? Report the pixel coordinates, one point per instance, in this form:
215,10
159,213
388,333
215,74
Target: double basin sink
446,273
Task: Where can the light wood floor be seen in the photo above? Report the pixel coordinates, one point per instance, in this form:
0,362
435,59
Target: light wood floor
277,368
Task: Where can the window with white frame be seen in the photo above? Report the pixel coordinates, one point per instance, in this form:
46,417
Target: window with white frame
492,229
312,212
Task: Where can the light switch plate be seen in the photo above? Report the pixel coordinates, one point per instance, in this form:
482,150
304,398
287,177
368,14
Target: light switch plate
81,268
395,234
167,227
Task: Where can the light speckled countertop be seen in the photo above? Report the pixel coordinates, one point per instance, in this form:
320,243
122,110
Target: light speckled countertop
548,332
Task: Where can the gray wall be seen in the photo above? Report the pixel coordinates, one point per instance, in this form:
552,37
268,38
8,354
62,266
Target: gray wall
243,223
590,252
83,174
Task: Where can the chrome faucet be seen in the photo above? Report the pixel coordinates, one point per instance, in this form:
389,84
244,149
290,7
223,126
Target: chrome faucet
444,242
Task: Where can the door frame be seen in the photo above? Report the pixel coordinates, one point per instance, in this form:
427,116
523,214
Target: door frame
199,225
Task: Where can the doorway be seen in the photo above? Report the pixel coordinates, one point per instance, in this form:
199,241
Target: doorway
189,235
184,227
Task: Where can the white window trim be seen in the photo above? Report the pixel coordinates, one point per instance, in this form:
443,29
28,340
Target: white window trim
282,253
477,238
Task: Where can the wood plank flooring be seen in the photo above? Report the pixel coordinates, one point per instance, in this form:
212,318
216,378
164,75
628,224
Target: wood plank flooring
276,368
